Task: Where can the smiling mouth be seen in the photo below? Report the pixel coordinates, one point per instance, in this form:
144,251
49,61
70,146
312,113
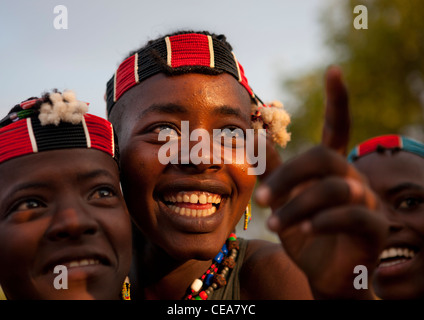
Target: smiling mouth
193,203
395,255
79,263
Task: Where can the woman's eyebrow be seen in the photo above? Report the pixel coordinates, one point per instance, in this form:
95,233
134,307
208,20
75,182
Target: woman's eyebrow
230,111
402,187
81,176
168,108
23,187
28,185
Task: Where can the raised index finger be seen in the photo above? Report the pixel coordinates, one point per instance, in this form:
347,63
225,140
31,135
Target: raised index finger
335,133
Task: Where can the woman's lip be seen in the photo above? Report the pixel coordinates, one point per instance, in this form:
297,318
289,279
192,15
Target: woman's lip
395,268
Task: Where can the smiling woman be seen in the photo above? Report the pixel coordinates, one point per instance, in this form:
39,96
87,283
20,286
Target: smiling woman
60,203
188,207
394,166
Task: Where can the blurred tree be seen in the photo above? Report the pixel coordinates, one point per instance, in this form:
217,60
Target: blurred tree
383,68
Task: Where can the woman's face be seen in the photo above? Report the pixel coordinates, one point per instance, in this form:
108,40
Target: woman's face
398,178
63,207
186,209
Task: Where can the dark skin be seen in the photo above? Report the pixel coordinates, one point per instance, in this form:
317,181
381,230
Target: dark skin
178,249
323,209
56,209
397,177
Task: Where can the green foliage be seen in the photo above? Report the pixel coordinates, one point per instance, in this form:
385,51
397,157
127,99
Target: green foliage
383,67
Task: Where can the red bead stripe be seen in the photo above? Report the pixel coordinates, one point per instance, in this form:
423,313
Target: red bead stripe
101,134
388,141
126,76
190,50
243,80
14,141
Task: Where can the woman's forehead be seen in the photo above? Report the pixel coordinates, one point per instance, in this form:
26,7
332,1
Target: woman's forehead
57,163
390,168
190,91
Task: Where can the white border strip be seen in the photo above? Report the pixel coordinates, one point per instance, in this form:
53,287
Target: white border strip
31,135
168,52
87,134
211,52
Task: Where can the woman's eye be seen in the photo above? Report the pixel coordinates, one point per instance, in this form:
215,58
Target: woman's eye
103,193
28,205
410,203
233,137
166,130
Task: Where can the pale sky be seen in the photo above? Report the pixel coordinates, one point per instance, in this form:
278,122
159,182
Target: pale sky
273,39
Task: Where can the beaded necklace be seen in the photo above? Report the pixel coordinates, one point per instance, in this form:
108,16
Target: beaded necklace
216,275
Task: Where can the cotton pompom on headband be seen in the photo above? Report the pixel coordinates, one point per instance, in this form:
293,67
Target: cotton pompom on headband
275,119
63,107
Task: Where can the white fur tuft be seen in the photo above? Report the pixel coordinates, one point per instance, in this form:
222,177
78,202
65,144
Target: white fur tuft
65,108
277,119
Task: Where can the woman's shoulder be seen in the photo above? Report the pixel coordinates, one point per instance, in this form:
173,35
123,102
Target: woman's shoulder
269,273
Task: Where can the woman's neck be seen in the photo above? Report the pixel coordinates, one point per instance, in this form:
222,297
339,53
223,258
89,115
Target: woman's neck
156,275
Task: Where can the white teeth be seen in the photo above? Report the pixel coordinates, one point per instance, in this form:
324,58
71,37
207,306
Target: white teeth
82,262
193,197
202,198
397,253
186,198
193,212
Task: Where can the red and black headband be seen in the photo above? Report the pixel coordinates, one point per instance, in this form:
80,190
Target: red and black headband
63,124
194,51
386,142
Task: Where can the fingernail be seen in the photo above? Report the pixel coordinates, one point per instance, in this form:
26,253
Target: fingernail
305,226
356,190
273,223
263,194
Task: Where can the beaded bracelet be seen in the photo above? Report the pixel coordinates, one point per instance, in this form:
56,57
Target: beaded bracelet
216,275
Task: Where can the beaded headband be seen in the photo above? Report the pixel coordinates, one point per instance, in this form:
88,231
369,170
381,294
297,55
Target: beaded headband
193,52
59,124
183,50
386,142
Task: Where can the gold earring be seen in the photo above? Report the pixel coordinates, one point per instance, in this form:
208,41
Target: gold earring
247,215
126,294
